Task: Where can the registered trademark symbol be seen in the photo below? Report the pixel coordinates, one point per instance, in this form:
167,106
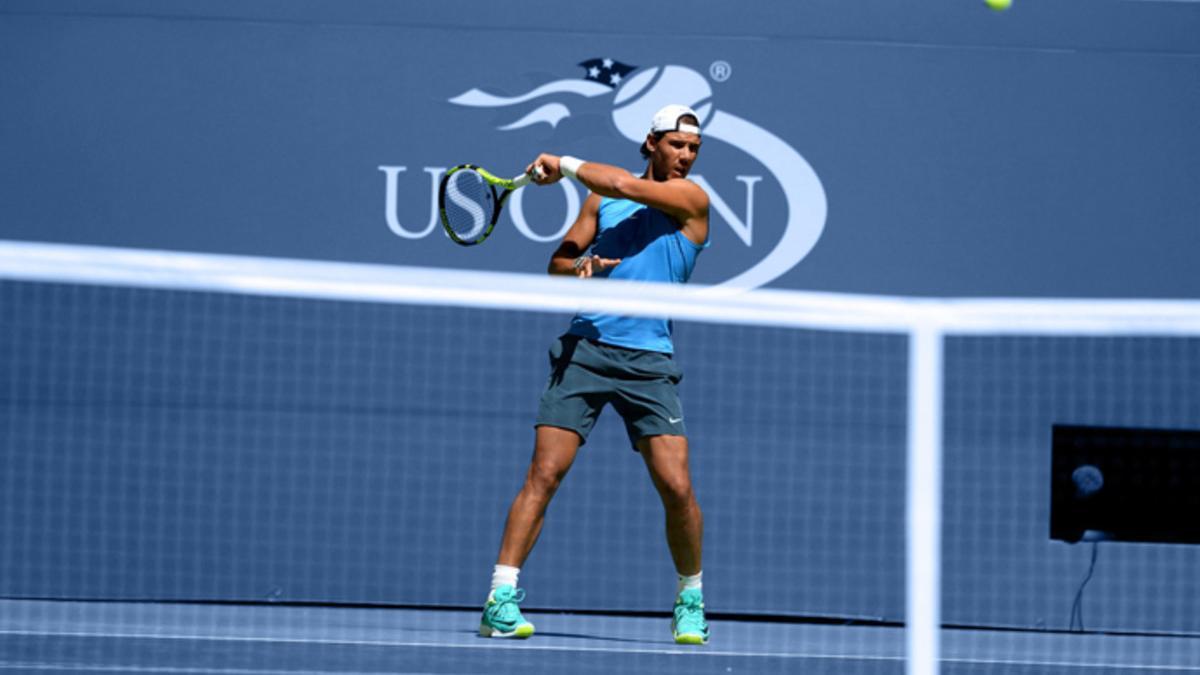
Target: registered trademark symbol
720,71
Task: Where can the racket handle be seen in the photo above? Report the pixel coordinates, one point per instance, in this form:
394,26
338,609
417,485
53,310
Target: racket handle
527,178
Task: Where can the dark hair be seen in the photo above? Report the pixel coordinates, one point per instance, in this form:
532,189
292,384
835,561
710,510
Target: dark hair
645,150
659,134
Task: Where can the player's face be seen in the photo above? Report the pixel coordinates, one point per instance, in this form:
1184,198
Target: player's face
673,154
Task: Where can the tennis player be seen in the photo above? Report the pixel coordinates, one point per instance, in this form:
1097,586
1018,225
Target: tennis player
647,228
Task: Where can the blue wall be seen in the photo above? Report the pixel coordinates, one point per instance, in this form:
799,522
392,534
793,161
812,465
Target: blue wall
943,149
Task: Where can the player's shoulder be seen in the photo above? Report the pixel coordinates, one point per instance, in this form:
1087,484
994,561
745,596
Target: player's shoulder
694,184
693,190
687,185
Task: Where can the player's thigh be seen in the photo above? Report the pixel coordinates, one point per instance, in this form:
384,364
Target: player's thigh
554,452
666,457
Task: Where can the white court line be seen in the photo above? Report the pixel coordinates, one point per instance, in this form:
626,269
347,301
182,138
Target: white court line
11,665
526,646
243,671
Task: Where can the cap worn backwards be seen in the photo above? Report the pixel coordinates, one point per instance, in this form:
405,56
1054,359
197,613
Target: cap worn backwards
667,119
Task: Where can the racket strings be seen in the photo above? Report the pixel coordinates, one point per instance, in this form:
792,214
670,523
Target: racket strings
470,204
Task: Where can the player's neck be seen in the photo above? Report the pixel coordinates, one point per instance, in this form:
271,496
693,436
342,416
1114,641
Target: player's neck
652,175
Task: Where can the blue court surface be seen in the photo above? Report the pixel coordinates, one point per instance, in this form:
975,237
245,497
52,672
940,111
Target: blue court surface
99,637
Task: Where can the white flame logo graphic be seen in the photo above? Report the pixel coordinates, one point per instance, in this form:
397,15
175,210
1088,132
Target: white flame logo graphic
636,100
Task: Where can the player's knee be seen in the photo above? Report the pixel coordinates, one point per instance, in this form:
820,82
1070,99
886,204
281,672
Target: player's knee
543,481
677,493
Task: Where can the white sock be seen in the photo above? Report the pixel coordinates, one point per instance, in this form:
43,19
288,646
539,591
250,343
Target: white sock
688,583
504,575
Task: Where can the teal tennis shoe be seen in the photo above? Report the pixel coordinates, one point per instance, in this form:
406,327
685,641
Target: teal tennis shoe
502,615
689,625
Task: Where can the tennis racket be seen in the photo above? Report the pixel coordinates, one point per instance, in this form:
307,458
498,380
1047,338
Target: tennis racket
470,200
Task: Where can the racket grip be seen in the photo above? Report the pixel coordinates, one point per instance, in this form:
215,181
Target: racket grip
527,178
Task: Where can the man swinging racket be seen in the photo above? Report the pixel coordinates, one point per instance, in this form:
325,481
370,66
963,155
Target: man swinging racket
646,228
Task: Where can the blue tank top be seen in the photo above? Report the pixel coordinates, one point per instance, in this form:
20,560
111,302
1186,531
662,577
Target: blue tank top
651,248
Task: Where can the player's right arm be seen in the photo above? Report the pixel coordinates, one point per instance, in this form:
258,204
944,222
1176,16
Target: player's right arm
569,257
686,202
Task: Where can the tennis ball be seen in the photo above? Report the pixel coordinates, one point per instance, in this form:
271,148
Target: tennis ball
646,92
999,5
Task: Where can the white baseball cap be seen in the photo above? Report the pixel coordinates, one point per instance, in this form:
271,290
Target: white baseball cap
667,119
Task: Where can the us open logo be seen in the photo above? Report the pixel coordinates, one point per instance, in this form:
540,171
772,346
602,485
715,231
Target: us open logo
636,93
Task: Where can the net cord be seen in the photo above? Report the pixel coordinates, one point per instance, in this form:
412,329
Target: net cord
66,263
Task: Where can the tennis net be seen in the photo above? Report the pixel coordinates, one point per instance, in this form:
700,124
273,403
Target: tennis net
193,427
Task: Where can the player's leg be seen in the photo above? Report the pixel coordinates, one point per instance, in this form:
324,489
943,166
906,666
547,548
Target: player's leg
648,401
553,453
567,412
666,457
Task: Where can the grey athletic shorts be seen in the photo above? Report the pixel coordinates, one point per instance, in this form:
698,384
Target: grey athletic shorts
586,375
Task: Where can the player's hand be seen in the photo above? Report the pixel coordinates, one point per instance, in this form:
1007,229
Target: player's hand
550,171
586,266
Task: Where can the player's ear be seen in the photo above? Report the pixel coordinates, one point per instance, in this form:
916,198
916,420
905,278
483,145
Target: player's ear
649,143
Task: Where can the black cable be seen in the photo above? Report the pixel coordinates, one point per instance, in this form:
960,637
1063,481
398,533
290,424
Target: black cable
1077,606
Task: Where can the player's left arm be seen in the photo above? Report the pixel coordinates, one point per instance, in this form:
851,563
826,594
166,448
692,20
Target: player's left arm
682,199
569,257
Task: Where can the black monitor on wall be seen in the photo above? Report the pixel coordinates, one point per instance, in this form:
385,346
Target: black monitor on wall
1125,484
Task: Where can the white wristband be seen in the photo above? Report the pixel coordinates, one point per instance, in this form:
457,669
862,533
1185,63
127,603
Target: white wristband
569,166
